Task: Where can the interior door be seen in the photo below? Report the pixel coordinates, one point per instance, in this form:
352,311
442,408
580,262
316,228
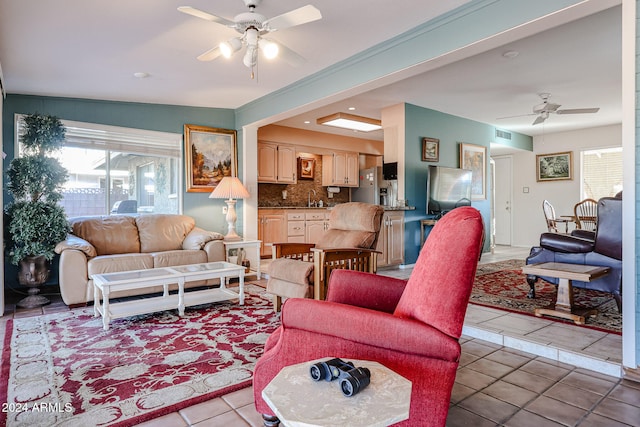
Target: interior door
503,209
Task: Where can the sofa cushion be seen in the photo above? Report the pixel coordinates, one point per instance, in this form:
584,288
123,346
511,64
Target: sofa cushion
178,257
198,237
163,232
109,235
120,262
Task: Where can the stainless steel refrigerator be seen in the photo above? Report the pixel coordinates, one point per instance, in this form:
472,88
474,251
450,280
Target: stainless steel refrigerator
369,189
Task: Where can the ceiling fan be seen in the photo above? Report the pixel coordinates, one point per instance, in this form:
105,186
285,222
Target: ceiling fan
543,110
253,26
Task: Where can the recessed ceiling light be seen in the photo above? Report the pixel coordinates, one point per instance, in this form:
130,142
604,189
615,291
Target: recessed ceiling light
350,121
306,122
141,75
510,54
352,108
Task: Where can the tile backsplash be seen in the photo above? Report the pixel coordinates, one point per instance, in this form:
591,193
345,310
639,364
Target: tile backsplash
270,195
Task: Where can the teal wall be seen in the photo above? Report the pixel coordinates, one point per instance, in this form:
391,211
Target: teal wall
451,131
164,118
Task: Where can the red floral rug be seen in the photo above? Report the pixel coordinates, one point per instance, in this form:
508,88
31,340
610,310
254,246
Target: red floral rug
503,285
63,369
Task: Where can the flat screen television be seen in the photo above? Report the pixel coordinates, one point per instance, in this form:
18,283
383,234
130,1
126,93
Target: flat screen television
447,188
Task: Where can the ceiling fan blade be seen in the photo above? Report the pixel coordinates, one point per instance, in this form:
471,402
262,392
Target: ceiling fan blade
295,17
513,117
539,120
578,111
287,55
204,15
210,55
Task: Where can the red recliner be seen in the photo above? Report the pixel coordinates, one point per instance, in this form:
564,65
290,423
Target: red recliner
411,327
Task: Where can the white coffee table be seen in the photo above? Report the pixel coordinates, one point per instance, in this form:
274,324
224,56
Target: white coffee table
298,401
104,284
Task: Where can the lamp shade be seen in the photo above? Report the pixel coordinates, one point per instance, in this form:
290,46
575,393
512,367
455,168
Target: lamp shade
229,188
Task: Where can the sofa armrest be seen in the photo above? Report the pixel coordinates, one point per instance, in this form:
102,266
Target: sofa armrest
364,326
584,234
566,244
197,238
215,251
73,276
77,243
365,290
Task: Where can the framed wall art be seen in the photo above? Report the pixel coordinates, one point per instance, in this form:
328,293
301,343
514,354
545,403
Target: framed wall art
430,149
306,168
210,154
474,158
554,166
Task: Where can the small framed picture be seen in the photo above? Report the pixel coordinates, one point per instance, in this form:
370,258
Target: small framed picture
306,167
430,149
554,166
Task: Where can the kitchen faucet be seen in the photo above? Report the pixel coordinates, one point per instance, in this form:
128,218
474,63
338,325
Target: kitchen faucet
309,197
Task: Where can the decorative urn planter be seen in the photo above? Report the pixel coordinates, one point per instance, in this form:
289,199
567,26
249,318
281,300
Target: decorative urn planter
34,272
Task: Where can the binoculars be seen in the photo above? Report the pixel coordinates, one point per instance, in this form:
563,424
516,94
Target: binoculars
352,379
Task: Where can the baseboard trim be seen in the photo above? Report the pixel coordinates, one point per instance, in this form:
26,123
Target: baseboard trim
631,374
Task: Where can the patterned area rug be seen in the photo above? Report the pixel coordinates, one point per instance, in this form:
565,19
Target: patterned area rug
63,369
503,285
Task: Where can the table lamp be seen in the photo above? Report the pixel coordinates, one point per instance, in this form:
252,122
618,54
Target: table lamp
230,188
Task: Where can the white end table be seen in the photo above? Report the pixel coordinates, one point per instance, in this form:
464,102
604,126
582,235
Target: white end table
254,258
298,400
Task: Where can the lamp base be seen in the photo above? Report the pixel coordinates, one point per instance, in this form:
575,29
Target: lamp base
231,221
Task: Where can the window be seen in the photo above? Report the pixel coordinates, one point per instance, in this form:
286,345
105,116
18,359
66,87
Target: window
601,172
116,170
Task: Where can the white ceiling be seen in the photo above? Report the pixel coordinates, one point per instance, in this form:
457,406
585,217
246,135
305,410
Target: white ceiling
91,49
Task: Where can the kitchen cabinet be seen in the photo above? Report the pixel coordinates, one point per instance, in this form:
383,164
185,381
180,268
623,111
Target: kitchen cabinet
295,227
276,163
316,225
272,228
340,169
391,239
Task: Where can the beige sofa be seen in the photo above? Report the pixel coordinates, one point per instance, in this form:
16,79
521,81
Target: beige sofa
108,244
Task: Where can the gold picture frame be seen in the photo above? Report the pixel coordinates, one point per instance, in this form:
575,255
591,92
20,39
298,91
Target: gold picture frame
306,168
474,158
554,166
210,154
430,149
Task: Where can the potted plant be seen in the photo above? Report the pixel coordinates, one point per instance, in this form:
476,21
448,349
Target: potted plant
36,222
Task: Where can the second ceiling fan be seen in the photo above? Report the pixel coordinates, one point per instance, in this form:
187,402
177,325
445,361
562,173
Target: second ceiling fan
253,26
543,110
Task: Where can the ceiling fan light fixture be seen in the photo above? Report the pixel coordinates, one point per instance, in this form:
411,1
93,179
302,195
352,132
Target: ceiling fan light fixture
250,57
230,47
350,121
269,49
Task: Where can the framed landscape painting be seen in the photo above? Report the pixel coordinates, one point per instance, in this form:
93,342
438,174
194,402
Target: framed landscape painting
474,158
210,154
554,166
430,149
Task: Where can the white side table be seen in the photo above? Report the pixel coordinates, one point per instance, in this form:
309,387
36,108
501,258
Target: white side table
299,401
253,254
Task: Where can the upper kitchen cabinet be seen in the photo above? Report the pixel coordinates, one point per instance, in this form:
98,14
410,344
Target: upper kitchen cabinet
276,163
340,169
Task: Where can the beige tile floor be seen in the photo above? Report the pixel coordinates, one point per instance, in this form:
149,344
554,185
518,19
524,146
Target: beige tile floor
514,371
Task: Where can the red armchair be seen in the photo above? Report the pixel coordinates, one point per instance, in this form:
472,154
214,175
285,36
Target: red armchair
412,327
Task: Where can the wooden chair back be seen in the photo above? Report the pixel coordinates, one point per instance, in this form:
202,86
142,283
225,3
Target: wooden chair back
550,216
586,214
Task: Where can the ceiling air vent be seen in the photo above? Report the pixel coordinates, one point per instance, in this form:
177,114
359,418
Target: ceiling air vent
503,134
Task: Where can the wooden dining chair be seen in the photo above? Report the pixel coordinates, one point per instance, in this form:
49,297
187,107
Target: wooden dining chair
586,213
552,220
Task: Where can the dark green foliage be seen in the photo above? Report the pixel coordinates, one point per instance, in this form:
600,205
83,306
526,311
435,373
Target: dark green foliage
36,223
36,228
42,135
